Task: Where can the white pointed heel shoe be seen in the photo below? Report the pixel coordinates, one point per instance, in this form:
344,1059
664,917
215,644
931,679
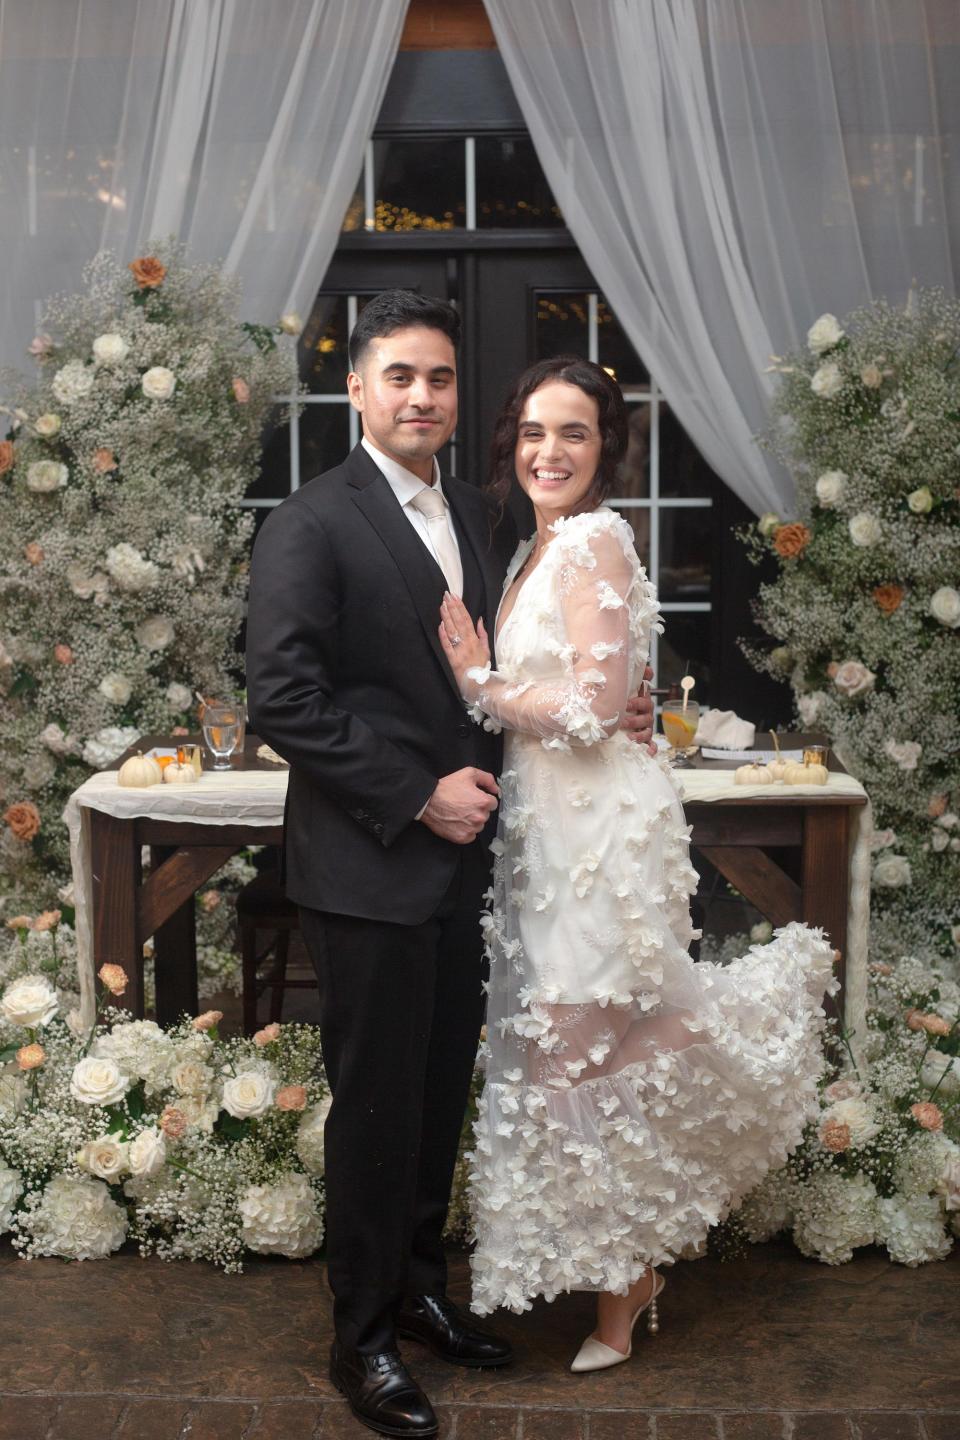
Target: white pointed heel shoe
594,1355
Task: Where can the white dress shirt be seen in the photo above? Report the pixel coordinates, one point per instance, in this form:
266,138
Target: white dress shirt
406,486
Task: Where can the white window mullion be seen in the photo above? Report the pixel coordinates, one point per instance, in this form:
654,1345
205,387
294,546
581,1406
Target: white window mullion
593,328
369,192
352,311
470,175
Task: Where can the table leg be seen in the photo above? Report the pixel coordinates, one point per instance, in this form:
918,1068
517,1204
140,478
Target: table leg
115,868
825,880
175,955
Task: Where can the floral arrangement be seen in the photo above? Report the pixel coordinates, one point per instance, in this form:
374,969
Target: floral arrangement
865,608
195,1146
124,577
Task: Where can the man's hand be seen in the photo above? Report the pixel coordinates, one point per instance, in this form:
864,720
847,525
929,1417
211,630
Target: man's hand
638,721
461,805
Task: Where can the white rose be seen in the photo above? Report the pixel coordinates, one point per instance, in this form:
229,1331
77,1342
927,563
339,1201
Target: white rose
830,487
892,872
98,1081
131,570
191,1077
945,606
920,501
827,381
905,753
768,522
44,476
809,706
147,1153
880,839
872,376
949,821
290,323
108,744
115,687
156,632
159,383
281,1219
110,349
853,678
72,382
77,1219
11,1188
939,840
824,334
310,1133
30,1001
38,771
761,932
865,529
249,1094
47,425
106,1158
178,695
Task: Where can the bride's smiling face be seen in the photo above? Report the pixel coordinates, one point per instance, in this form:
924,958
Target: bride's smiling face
558,448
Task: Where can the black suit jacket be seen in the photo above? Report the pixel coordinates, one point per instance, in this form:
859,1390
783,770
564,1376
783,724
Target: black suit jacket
347,680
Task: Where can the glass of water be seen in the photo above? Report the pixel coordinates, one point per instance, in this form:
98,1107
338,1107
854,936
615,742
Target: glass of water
224,727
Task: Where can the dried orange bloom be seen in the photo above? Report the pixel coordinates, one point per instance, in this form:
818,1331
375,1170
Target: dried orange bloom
789,540
835,1137
208,1020
114,978
936,806
23,819
889,597
172,1122
927,1115
268,1033
47,920
29,1057
63,654
7,456
148,272
33,553
104,460
292,1097
20,922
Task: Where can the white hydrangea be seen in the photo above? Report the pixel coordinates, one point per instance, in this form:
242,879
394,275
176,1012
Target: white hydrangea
108,744
768,1210
912,1228
45,476
11,1188
75,1219
310,1135
130,569
834,1216
72,381
140,1049
281,1219
156,632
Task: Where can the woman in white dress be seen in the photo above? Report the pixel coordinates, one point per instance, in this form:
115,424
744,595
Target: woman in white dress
632,1096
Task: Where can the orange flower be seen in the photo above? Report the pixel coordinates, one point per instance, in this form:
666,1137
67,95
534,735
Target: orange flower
7,456
172,1122
268,1033
23,819
148,272
104,460
114,978
835,1136
936,806
791,540
241,390
208,1020
292,1097
30,1056
33,553
889,597
927,1115
63,654
210,900
20,922
47,920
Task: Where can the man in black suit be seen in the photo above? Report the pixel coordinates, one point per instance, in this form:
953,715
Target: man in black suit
390,811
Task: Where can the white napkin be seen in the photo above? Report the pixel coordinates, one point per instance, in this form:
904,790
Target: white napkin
726,730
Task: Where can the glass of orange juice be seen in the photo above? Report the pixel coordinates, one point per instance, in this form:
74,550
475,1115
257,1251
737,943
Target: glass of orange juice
680,728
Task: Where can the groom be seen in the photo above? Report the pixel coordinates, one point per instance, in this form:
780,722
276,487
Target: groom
390,812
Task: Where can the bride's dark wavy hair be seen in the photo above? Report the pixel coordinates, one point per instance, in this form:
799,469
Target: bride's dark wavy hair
594,381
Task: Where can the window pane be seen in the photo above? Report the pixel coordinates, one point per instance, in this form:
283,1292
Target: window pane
273,482
685,646
616,353
324,438
419,184
639,522
512,190
633,475
686,540
323,346
683,470
561,326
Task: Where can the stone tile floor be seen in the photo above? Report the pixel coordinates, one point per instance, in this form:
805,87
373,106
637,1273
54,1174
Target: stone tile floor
771,1347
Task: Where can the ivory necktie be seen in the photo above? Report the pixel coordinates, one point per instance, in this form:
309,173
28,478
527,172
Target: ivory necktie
444,547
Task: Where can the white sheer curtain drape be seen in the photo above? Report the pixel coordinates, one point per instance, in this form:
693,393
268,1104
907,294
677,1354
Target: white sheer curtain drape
237,125
733,168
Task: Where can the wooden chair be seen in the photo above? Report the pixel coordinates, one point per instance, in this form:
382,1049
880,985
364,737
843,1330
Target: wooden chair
262,906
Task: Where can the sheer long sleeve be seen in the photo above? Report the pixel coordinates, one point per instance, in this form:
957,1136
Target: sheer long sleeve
582,704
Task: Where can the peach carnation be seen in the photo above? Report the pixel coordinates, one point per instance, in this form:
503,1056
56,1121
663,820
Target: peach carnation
835,1136
936,806
927,1115
29,1057
7,456
148,271
292,1097
210,900
23,819
241,390
208,1020
63,654
104,460
789,540
33,553
20,922
889,597
114,978
268,1033
172,1122
47,920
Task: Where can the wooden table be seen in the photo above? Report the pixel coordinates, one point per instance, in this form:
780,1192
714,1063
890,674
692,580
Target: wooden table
735,835
127,909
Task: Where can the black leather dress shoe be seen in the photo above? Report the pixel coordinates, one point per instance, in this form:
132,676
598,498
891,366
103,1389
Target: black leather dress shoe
437,1323
381,1393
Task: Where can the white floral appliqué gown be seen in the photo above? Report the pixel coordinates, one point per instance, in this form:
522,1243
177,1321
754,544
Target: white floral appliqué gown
632,1096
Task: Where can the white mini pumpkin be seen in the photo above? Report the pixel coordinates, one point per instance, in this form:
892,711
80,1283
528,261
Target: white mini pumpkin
177,774
753,775
139,770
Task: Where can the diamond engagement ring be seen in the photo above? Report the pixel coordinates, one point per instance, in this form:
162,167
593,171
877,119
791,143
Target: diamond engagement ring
456,639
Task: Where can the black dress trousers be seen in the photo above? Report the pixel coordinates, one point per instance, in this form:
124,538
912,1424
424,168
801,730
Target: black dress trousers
400,1014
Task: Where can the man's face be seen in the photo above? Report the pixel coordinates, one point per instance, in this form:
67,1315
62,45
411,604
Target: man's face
406,392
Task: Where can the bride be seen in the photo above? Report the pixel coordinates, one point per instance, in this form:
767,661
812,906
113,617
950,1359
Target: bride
632,1096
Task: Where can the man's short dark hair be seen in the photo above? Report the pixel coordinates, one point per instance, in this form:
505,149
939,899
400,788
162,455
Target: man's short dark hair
394,310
